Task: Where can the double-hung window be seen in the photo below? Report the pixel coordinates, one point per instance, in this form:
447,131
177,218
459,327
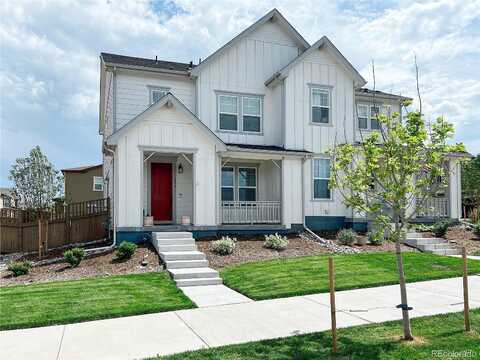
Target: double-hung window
97,183
374,114
228,184
247,108
368,116
321,179
362,112
320,101
156,93
247,184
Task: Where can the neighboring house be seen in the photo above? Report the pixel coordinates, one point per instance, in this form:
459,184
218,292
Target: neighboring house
238,141
8,199
83,183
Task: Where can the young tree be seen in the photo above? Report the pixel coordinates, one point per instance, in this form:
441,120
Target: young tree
471,181
36,182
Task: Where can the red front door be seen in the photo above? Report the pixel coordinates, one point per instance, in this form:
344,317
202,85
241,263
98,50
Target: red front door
161,192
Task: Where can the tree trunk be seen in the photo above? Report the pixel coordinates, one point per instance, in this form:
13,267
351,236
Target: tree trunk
407,330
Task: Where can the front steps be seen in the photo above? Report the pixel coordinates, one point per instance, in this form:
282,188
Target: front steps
436,246
186,265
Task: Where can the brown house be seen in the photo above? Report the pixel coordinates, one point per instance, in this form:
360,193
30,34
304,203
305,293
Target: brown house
83,183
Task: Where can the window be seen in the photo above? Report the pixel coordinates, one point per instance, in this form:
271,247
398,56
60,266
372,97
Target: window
157,93
228,185
321,179
97,183
374,113
228,112
247,184
252,110
362,112
320,100
248,108
368,116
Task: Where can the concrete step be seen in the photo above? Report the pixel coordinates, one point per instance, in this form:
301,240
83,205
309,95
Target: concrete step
414,235
169,248
182,264
182,255
175,241
193,273
451,251
198,281
425,241
172,235
432,247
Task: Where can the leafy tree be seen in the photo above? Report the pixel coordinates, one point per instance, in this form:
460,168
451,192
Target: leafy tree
36,182
391,174
471,181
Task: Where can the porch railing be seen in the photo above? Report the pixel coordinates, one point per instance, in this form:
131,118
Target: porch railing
434,207
250,212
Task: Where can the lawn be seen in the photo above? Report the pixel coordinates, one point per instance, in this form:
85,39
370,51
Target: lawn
307,275
438,336
62,302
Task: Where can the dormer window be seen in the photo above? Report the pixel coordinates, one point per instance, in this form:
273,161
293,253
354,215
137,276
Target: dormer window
320,100
156,93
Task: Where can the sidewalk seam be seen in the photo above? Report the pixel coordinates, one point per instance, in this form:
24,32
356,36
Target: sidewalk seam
208,346
61,342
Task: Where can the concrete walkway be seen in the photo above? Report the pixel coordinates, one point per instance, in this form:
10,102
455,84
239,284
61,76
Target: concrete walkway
166,333
214,295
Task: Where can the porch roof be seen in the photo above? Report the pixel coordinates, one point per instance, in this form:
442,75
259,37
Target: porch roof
270,149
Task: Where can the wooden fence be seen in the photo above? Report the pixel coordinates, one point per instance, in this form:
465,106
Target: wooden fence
27,231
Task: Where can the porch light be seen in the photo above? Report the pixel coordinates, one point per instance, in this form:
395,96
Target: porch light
180,168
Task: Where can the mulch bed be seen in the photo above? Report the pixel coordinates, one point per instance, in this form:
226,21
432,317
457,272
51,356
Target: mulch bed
103,264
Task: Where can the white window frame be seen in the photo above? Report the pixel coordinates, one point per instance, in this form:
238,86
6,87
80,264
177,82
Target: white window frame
320,178
230,187
328,90
383,109
240,112
367,116
97,180
247,187
152,89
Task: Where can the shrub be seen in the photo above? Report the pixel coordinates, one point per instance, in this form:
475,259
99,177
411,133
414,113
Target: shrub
346,236
74,256
440,227
476,229
275,242
376,238
224,246
19,267
125,250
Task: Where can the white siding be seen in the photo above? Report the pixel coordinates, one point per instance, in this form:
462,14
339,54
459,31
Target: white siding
133,93
292,192
244,68
394,107
108,116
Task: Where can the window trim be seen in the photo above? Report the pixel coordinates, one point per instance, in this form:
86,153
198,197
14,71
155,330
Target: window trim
329,90
240,113
237,114
95,178
382,107
229,187
152,88
247,187
319,157
260,115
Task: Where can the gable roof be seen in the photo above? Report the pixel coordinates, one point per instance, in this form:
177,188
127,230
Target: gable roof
147,64
82,168
167,100
324,42
271,15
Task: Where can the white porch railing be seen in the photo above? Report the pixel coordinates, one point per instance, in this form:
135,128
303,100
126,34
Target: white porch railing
250,212
434,207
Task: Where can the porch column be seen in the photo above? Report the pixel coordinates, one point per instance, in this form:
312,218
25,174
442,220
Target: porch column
454,189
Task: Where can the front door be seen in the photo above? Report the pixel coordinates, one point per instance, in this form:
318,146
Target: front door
161,191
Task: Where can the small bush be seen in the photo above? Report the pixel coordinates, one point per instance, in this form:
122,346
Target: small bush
74,256
476,229
19,267
346,236
376,238
275,242
422,227
440,227
125,250
224,246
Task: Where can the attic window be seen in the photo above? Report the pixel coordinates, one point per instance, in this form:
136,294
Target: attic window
156,93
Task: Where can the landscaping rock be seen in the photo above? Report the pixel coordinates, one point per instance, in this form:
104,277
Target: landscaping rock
329,244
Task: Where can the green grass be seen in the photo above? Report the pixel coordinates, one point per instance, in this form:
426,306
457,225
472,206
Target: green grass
308,275
63,302
378,341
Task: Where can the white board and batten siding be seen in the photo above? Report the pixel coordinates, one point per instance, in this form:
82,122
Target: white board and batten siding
166,130
319,68
244,68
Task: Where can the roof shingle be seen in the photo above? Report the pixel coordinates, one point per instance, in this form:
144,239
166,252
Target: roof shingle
147,63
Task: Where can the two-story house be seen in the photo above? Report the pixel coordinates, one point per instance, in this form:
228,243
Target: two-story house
238,141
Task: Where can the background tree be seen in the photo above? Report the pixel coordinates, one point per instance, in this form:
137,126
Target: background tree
36,182
471,183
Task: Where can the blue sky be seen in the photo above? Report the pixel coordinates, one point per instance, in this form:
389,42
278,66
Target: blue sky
49,70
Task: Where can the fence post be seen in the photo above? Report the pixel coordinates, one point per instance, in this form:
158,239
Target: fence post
20,228
466,308
67,224
40,233
331,276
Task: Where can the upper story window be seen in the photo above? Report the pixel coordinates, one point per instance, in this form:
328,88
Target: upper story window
156,93
97,183
321,179
233,108
368,115
321,105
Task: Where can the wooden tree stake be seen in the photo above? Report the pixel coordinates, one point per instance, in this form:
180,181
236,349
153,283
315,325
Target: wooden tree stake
466,308
331,275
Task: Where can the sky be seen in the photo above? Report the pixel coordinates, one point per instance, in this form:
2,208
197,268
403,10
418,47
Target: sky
49,50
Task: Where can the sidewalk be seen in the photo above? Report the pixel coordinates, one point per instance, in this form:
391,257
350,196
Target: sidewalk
165,333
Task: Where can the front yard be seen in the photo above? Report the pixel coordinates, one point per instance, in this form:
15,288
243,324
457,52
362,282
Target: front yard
308,275
63,302
438,336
